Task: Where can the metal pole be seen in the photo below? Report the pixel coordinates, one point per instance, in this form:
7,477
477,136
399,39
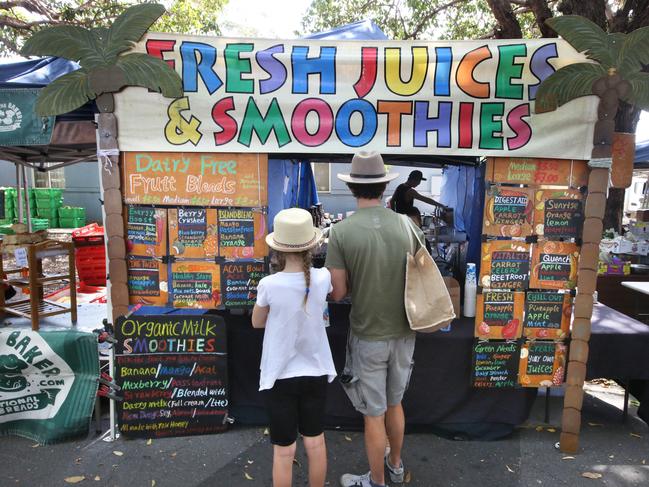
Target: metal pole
27,205
19,186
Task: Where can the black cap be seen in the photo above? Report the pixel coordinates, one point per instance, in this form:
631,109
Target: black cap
416,174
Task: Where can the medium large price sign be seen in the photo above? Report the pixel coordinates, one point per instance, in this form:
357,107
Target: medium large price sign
173,373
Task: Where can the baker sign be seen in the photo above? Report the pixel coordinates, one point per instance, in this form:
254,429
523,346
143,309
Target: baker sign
462,97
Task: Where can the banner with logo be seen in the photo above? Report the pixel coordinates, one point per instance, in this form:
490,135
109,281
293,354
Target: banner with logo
48,383
19,124
473,98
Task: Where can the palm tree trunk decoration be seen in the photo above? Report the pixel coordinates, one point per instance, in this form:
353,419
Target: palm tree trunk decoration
105,70
615,74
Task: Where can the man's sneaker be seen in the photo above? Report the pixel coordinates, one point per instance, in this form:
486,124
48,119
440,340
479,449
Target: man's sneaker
349,480
396,474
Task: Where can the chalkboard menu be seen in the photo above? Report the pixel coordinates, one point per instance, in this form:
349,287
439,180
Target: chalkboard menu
499,315
146,231
173,373
195,285
547,315
560,214
239,282
509,212
542,364
554,265
147,281
242,234
518,170
193,232
505,265
495,364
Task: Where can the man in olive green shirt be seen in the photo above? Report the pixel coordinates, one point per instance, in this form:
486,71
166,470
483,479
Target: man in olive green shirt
366,255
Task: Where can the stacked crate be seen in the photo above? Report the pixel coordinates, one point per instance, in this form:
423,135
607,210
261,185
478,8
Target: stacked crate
72,217
48,202
90,254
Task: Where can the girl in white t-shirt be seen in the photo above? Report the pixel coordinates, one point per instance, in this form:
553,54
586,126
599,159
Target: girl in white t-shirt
296,361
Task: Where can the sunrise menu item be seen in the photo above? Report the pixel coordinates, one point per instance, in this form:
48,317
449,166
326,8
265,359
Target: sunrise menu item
559,214
147,281
499,315
146,231
508,212
195,179
241,233
193,232
554,265
557,172
495,364
505,265
195,285
172,370
239,282
542,364
547,315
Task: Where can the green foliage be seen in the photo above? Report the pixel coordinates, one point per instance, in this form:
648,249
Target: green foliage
129,28
67,41
566,84
587,37
65,94
639,94
634,52
143,70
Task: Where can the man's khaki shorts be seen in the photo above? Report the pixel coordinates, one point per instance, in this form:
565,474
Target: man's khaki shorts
377,372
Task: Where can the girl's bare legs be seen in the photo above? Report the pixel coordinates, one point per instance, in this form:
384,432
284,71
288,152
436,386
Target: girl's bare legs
283,465
316,452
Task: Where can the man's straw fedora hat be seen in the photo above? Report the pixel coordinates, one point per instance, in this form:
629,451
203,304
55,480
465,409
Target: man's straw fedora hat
367,168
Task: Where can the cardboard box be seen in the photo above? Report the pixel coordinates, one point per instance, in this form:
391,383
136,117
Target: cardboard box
454,290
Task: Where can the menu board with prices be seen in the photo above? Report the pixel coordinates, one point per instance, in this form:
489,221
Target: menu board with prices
554,265
542,364
547,315
173,373
551,172
495,364
196,179
239,282
147,281
509,212
505,265
146,231
241,234
193,233
499,315
559,214
195,285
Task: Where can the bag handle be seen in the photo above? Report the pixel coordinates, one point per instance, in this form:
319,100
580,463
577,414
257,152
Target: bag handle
411,227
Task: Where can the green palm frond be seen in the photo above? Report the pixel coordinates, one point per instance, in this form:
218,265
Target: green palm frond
568,83
153,73
129,27
65,94
69,42
634,52
585,36
639,93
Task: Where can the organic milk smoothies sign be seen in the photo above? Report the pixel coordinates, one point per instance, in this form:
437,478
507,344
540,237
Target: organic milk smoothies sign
464,98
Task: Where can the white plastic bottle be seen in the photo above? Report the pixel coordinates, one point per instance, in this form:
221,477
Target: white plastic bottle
470,289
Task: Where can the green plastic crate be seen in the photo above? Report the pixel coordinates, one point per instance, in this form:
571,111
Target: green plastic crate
72,212
44,195
48,213
74,222
6,230
40,224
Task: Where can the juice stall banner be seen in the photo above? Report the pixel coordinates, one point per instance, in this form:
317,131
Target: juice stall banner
444,97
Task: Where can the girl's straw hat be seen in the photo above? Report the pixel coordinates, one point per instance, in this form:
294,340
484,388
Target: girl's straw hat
294,231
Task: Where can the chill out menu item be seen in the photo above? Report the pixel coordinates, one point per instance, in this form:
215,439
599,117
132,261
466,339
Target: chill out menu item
542,364
505,265
239,282
195,285
547,315
509,212
173,375
146,231
559,214
495,364
147,281
499,315
554,265
193,233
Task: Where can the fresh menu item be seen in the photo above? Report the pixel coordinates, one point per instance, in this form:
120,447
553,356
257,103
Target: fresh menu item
499,315
509,212
547,315
146,231
193,232
495,364
559,214
505,265
554,265
195,285
519,170
542,364
147,281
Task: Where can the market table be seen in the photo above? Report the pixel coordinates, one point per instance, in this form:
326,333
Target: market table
640,287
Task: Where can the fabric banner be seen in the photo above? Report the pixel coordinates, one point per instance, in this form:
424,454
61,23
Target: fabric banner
48,383
19,124
472,98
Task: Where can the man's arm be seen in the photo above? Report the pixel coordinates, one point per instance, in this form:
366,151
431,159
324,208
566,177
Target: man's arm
412,192
339,284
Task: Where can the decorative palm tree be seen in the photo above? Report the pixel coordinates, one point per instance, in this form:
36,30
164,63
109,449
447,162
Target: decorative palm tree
104,70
